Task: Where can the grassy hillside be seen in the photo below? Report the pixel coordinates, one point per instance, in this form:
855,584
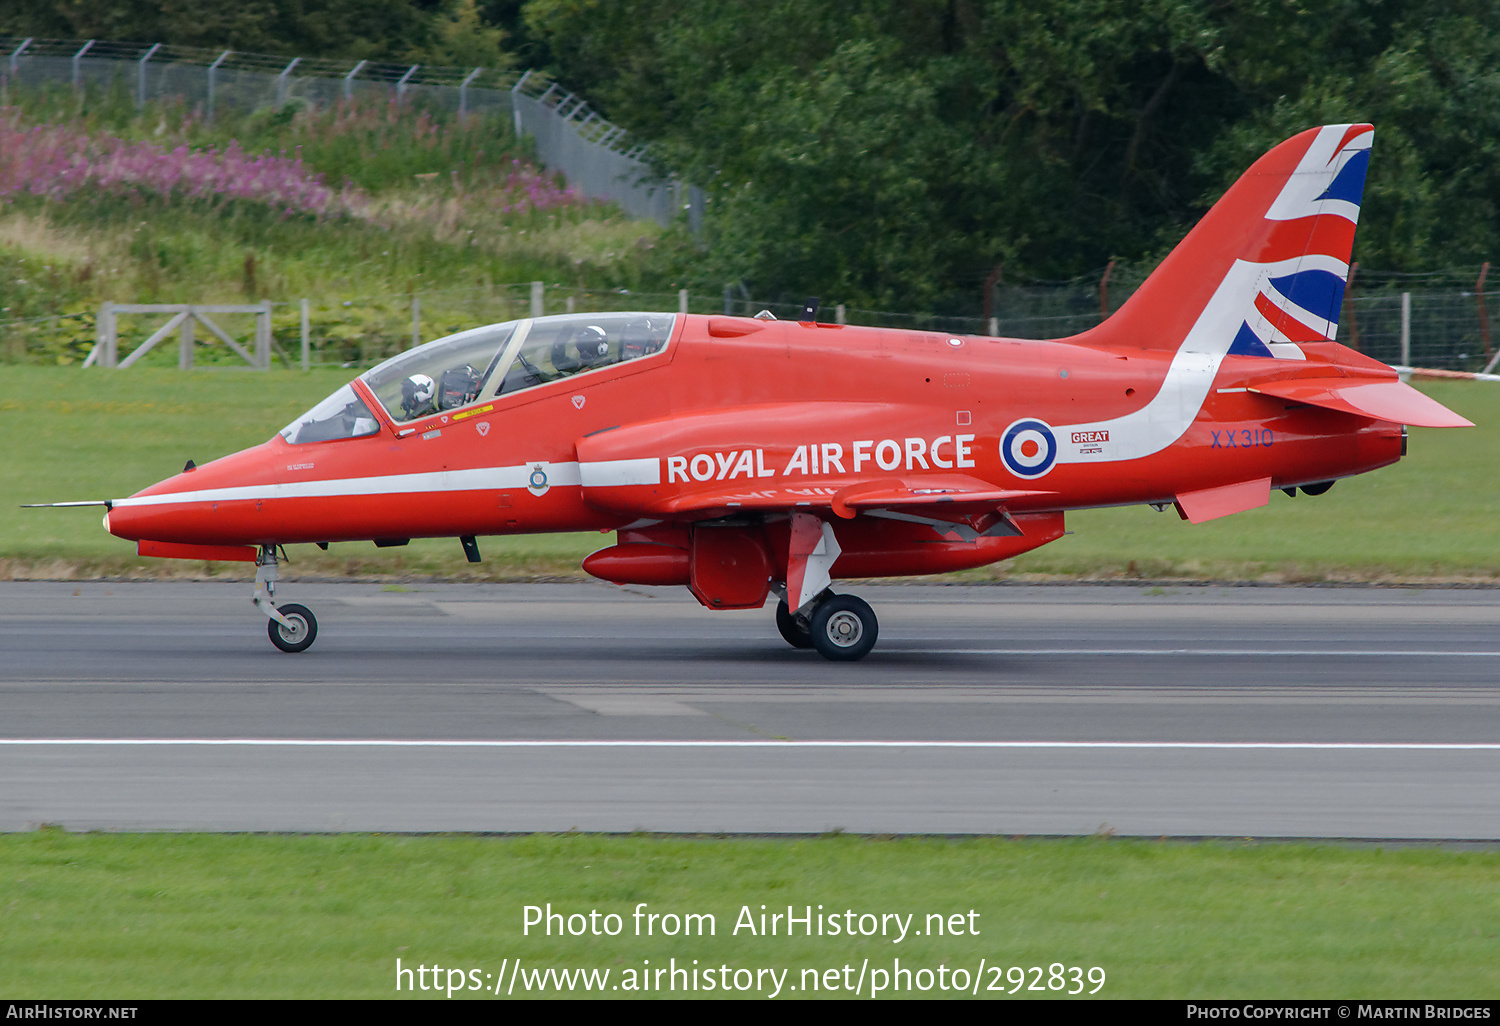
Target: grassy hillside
353,207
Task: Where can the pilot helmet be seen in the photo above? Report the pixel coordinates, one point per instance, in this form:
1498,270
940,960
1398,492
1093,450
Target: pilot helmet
592,344
416,394
639,338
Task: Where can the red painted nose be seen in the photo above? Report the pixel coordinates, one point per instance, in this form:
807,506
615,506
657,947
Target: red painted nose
196,506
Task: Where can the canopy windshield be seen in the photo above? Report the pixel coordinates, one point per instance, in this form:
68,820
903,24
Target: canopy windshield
341,415
503,358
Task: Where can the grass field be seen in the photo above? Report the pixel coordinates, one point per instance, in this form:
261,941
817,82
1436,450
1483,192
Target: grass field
93,434
165,916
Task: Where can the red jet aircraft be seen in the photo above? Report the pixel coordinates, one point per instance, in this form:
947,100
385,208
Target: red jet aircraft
745,456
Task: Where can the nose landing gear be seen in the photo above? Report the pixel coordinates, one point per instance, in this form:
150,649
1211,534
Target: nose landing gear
292,628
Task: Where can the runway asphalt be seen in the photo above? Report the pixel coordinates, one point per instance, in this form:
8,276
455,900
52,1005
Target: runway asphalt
1219,711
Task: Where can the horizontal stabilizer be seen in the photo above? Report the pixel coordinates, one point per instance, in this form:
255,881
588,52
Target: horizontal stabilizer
1394,401
1212,503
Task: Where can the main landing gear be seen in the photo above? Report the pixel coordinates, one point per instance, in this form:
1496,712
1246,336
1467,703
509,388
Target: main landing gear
292,628
842,628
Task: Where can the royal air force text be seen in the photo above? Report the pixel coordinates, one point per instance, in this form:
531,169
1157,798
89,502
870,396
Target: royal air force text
946,452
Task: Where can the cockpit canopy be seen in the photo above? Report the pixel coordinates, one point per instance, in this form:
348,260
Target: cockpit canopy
483,363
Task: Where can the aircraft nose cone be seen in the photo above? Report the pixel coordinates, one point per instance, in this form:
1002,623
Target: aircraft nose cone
189,507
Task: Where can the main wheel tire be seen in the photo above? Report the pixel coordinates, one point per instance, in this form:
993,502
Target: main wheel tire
796,632
298,638
844,628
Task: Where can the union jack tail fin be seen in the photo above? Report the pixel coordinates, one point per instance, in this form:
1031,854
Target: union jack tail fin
1266,267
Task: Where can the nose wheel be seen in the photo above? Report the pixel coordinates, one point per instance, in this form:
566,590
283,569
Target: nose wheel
299,631
292,628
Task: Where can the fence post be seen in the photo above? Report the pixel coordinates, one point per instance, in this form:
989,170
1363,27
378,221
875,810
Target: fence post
140,84
15,56
537,298
306,345
463,94
213,71
682,301
840,315
349,81
1406,329
994,327
1349,315
401,82
263,336
416,321
77,69
1484,315
515,111
185,346
108,339
281,83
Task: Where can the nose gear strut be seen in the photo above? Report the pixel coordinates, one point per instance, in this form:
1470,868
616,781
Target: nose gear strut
292,628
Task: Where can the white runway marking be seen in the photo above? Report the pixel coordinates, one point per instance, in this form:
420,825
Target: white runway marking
1301,746
1340,653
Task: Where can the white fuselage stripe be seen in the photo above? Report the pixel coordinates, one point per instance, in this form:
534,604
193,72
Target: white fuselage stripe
616,473
602,474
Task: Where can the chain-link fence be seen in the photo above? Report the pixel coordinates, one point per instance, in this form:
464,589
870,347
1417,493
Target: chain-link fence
596,157
1444,329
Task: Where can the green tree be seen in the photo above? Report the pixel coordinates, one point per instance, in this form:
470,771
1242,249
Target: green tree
354,29
894,152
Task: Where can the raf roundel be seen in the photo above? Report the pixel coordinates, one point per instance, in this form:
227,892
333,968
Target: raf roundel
1028,447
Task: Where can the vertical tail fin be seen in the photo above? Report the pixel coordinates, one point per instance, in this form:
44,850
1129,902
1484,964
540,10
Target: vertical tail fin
1266,267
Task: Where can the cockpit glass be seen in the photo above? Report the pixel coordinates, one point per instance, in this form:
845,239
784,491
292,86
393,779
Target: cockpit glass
481,364
341,415
503,358
559,347
441,375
